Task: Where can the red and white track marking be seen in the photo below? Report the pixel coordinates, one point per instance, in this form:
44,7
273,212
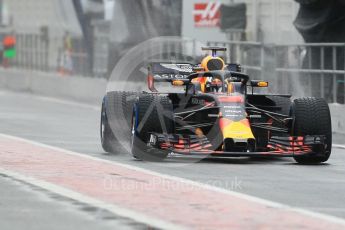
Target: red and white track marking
149,197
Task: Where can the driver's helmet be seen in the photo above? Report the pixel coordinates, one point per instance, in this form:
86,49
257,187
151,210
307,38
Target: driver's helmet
213,85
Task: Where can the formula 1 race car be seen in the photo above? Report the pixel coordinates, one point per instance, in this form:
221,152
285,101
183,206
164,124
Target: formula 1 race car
217,114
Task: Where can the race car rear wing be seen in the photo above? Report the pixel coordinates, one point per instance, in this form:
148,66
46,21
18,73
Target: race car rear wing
170,72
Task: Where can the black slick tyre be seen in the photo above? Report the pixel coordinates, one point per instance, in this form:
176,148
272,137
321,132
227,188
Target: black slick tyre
119,105
108,139
151,114
312,117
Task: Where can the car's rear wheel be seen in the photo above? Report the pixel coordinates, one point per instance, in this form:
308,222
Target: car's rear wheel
108,139
151,114
312,117
283,105
119,106
128,100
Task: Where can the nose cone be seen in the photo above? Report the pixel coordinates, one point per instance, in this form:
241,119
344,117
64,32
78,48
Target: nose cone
237,136
236,130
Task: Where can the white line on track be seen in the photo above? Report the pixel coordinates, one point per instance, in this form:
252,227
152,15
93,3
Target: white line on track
139,217
338,146
65,102
326,209
269,203
56,100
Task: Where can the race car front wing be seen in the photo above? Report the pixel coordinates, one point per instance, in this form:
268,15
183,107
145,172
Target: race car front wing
200,145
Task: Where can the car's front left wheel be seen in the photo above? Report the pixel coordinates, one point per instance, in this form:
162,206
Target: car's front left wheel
151,114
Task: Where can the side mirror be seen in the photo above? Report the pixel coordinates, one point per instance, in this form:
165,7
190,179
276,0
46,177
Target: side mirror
178,83
258,83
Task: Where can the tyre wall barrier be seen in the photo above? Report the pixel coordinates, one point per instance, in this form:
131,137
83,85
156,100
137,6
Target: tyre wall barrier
92,90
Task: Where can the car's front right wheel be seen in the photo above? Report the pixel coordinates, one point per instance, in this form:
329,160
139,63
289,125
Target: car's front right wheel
312,117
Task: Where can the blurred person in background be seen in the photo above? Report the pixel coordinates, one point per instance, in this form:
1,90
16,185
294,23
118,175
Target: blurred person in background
66,61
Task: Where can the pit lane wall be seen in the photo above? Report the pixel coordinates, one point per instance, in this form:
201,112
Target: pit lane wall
92,90
82,89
